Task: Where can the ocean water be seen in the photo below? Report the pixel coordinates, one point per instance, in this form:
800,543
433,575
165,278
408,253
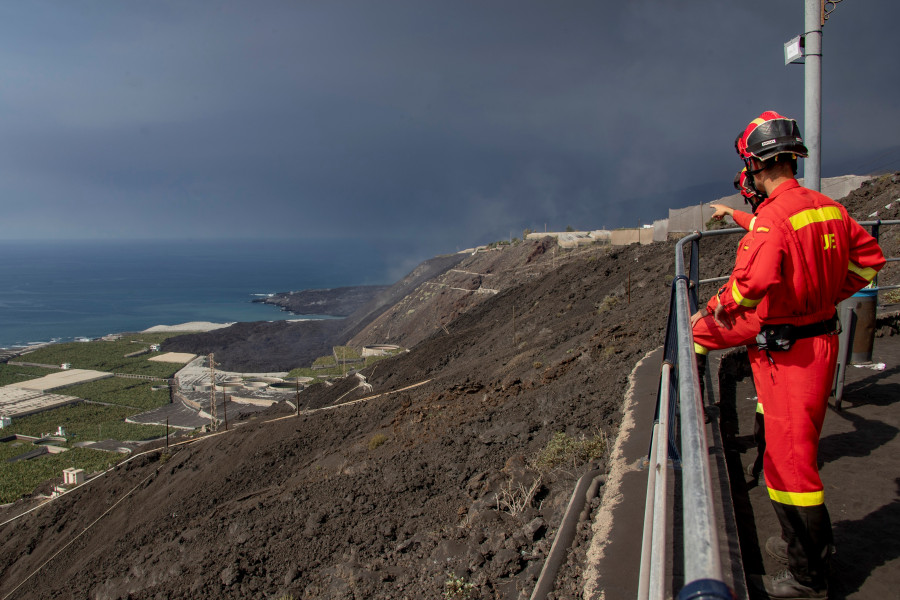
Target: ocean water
63,290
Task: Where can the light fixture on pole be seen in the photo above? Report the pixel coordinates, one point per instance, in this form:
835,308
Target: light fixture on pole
793,50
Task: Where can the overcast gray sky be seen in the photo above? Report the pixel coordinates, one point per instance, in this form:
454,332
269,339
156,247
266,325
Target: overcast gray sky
440,124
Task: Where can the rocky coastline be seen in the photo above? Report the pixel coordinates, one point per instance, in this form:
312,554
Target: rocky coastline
333,302
283,345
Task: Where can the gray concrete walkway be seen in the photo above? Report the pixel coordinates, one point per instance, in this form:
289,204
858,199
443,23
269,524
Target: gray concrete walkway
614,556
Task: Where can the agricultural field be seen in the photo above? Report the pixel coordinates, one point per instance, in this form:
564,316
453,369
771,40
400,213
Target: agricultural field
101,355
328,368
16,374
346,353
118,399
130,393
12,449
84,422
23,477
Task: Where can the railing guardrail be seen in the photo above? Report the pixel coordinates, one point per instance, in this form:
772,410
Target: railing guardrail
680,399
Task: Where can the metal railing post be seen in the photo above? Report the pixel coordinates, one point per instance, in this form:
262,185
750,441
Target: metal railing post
655,520
694,274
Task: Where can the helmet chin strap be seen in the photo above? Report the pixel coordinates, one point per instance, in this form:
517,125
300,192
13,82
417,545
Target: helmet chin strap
761,194
755,201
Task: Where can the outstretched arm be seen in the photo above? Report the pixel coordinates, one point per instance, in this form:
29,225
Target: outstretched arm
743,219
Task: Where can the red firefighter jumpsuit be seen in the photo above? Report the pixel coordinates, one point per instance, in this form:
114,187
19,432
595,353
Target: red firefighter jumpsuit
806,254
709,336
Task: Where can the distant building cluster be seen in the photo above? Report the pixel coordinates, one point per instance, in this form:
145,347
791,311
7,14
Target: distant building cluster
681,220
615,237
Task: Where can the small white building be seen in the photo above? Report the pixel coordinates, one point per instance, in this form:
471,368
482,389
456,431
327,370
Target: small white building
73,476
379,349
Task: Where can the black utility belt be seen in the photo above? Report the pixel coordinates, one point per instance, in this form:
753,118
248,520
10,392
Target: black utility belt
782,336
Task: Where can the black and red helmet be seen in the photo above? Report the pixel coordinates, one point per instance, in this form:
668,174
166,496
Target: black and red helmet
744,184
769,135
741,184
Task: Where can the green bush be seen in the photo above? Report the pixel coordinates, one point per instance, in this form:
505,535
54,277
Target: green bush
564,450
714,224
457,588
377,440
608,303
891,297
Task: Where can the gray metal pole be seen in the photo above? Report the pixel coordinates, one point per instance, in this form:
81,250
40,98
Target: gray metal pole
812,167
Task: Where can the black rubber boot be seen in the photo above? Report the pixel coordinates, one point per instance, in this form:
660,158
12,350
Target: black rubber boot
734,367
759,436
807,531
701,373
784,585
777,548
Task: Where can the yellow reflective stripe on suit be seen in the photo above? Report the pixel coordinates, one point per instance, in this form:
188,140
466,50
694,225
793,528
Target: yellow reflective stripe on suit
864,272
740,299
798,498
816,215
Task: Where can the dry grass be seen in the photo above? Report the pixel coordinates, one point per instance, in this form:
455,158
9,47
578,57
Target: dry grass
515,499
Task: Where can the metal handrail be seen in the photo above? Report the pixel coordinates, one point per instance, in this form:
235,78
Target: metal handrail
680,382
701,547
680,389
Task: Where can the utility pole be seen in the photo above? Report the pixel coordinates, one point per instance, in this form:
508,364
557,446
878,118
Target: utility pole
515,334
806,49
212,393
814,18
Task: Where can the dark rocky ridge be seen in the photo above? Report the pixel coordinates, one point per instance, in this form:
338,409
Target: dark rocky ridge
265,346
334,302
